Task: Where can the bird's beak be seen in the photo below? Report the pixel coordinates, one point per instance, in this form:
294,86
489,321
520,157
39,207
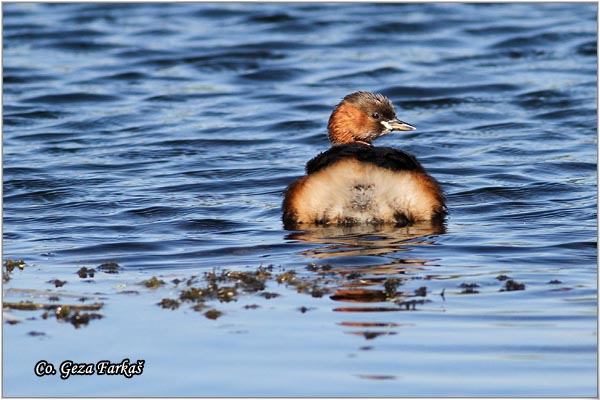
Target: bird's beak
397,125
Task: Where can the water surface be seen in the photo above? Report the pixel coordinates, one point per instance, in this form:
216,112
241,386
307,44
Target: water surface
161,136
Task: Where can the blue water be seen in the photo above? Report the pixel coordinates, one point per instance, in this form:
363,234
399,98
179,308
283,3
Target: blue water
161,136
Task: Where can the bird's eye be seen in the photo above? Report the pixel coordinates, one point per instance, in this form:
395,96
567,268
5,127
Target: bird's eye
375,116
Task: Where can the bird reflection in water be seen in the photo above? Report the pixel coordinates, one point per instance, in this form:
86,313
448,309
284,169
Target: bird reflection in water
372,287
366,240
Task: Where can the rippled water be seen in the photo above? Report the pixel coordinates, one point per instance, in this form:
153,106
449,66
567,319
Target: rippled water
161,136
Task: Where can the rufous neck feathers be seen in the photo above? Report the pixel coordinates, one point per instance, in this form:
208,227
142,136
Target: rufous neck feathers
349,124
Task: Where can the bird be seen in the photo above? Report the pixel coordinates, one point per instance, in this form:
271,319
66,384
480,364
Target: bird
355,182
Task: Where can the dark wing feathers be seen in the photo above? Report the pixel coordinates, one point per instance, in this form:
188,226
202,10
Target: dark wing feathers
384,157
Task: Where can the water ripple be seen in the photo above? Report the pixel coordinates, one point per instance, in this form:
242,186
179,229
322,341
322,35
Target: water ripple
161,136
67,98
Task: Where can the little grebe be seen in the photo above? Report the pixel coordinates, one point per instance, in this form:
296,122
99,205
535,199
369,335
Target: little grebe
354,182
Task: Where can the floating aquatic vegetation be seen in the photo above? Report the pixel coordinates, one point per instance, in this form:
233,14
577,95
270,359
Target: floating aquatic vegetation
192,294
129,292
227,293
228,285
325,269
9,266
78,318
469,288
512,285
84,272
391,287
110,267
345,284
169,303
287,277
213,314
30,305
314,286
269,295
57,282
153,282
411,304
74,314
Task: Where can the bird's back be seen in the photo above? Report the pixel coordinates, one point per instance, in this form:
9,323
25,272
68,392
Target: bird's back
355,183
